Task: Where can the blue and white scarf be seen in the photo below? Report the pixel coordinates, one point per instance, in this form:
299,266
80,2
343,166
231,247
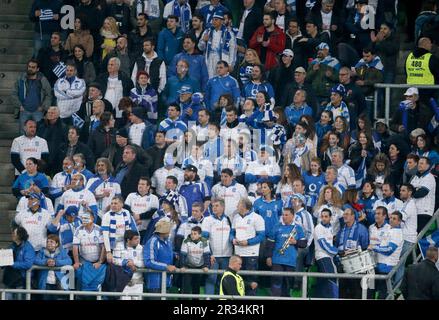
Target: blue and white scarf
184,13
112,227
150,7
224,46
78,122
328,61
375,63
360,174
349,240
173,197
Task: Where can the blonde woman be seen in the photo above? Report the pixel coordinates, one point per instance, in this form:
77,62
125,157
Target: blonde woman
330,198
109,33
244,71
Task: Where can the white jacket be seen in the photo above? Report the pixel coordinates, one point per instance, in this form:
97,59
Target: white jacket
425,205
69,95
409,222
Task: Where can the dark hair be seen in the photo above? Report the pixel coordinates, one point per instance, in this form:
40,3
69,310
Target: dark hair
21,233
34,160
171,16
270,186
413,156
271,15
26,122
386,212
224,63
129,235
391,185
77,130
205,110
327,210
83,21
34,61
427,141
149,39
229,14
426,159
175,105
80,46
199,16
148,180
188,36
231,109
216,125
160,132
369,49
174,179
196,229
144,15
397,213
54,237
409,186
105,119
227,171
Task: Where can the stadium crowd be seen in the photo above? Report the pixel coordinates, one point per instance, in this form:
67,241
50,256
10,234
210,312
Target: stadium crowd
174,134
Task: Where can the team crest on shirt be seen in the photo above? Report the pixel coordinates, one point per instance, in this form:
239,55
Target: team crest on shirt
248,221
40,218
134,254
234,190
95,239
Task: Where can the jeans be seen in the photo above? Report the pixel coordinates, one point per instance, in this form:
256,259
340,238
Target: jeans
26,115
212,281
40,41
250,263
281,286
326,287
400,272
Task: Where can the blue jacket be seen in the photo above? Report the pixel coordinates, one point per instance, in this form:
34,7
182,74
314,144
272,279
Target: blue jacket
347,240
148,137
24,256
251,89
65,232
207,13
218,86
197,68
157,255
169,44
279,236
321,130
174,84
368,207
61,259
293,114
194,192
270,211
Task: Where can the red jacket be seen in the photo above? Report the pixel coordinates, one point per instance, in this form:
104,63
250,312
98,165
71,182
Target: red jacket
275,46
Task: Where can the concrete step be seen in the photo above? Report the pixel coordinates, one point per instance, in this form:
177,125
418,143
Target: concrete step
3,245
8,202
15,7
20,59
7,177
15,18
13,67
5,143
19,43
17,50
6,109
8,78
5,155
16,24
5,189
16,34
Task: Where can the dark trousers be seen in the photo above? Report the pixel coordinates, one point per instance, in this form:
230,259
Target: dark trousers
191,283
250,263
281,286
422,221
326,287
350,288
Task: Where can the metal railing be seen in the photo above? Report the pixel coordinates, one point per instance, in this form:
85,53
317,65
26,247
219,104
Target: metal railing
387,87
364,278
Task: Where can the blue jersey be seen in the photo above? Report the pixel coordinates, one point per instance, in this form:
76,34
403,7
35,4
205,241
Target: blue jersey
312,187
293,114
251,89
270,211
368,207
280,234
194,192
24,181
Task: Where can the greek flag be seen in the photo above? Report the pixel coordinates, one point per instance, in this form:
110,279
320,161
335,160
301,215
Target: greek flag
431,240
78,122
60,69
360,175
46,15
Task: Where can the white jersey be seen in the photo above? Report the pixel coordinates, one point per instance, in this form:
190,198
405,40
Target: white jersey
186,227
119,226
393,236
136,133
237,164
392,204
231,196
285,191
256,168
89,243
218,233
22,205
304,219
203,165
110,185
158,179
246,228
346,176
425,205
323,242
29,148
337,213
409,222
69,95
75,198
139,204
36,225
59,181
122,253
376,234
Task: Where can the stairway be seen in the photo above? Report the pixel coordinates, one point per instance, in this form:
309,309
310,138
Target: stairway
16,45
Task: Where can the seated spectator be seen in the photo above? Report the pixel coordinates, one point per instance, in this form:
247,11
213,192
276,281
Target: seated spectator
80,37
299,83
379,172
73,146
79,165
172,125
64,225
244,70
30,181
297,108
109,32
85,68
144,96
103,136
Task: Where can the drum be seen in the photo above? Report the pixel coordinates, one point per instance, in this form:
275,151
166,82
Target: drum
359,262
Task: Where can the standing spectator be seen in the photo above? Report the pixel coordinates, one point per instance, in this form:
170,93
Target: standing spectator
283,243
85,68
94,93
248,231
346,175
298,108
354,97
79,165
28,145
216,228
180,9
92,14
152,10
218,43
157,151
61,181
46,15
329,21
197,64
406,117
173,126
158,180
121,52
115,85
208,11
250,20
150,62
35,220
51,59
283,74
311,40
425,191
121,12
193,190
73,146
421,280
170,40
232,160
80,36
69,91
197,28
93,122
31,95
359,31
140,132
108,36
299,83
144,96
268,41
428,71
243,71
158,255
258,84
178,82
139,34
129,171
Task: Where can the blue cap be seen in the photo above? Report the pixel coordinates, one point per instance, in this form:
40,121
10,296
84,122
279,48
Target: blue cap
219,14
299,196
185,89
340,89
71,211
197,98
322,46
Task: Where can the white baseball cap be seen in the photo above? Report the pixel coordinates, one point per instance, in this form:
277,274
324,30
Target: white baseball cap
411,91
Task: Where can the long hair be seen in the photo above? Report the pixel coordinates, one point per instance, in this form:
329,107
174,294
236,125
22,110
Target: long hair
255,54
114,29
294,173
380,157
282,120
316,160
107,163
349,196
311,129
335,199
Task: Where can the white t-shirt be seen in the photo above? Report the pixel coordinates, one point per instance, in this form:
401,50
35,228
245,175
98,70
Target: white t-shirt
114,93
136,133
231,195
139,204
89,243
29,148
246,228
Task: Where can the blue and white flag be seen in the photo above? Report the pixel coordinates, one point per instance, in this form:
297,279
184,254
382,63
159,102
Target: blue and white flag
60,69
431,240
46,15
78,122
360,175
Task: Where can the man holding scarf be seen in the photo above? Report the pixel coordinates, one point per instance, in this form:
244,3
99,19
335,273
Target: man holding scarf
218,43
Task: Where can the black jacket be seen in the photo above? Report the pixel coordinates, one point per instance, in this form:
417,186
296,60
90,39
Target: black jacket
290,90
229,284
79,148
100,140
279,78
135,42
157,155
131,179
251,23
127,84
54,135
433,65
421,282
48,59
